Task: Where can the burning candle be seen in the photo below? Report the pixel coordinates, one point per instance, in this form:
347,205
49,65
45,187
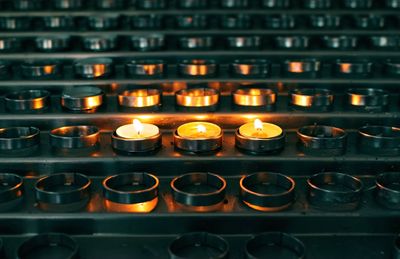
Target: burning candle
199,130
260,137
259,129
137,130
136,137
198,137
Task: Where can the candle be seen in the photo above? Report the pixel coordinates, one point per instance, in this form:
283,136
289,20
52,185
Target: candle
260,138
199,130
137,130
198,137
260,130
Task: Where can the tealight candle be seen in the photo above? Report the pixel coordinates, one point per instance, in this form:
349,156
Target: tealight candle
260,137
136,137
198,137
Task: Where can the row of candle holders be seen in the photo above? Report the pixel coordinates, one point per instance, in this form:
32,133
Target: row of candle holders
92,68
159,42
200,21
200,99
256,138
26,5
188,245
138,192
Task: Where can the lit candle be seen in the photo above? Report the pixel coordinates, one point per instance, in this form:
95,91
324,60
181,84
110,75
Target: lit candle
137,130
198,137
199,130
260,130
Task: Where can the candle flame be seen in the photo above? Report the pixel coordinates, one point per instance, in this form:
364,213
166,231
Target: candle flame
258,125
138,126
201,129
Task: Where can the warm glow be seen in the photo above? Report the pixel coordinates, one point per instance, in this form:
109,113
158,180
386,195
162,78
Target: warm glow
138,126
296,67
143,207
258,125
201,128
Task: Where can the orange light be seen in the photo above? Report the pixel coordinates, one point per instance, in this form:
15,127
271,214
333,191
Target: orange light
267,209
143,207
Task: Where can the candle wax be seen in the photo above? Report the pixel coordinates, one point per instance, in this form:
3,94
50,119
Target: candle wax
264,131
132,131
199,130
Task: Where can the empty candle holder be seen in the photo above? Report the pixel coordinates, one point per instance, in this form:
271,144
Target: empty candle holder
52,43
387,191
370,21
392,67
68,4
43,69
353,68
103,22
51,245
244,42
198,68
196,21
310,68
146,68
199,192
357,4
9,44
82,98
99,43
235,21
151,4
198,138
58,22
17,138
393,4
149,42
148,22
136,138
260,138
368,99
140,98
93,67
11,191
325,21
197,99
73,137
250,67
5,69
311,99
379,140
254,98
26,5
385,42
196,43
131,192
280,21
192,4
343,42
276,4
317,4
199,245
334,191
235,3
274,245
63,192
27,100
322,140
9,23
110,4
267,192
292,42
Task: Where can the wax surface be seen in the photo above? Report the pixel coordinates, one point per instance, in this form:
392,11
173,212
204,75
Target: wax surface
199,130
268,130
130,131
